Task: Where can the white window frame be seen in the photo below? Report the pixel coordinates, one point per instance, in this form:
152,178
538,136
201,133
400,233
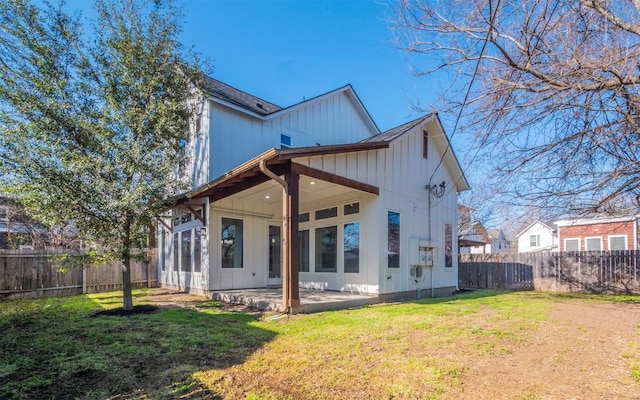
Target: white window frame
190,225
573,238
244,224
626,241
537,236
399,241
586,242
340,221
284,137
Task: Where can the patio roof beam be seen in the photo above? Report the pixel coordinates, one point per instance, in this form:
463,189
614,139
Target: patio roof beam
239,186
332,178
195,213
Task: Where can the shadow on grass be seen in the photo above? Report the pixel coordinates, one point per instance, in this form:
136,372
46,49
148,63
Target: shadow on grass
49,350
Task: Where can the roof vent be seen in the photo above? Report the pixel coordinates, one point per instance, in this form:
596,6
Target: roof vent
260,105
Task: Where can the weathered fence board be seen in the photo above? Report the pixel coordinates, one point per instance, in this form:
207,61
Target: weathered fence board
28,274
594,272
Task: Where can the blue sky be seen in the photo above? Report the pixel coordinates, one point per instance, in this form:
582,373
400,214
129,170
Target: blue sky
284,51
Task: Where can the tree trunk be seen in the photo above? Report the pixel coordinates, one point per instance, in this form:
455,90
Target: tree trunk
127,297
125,256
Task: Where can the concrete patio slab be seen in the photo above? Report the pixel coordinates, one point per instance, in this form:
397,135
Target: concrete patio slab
270,299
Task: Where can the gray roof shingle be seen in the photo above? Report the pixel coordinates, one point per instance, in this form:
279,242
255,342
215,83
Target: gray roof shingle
239,98
393,133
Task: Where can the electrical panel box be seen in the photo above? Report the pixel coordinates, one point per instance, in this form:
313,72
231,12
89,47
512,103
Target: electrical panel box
426,256
421,253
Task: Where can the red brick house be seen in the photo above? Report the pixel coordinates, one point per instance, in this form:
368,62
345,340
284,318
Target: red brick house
600,233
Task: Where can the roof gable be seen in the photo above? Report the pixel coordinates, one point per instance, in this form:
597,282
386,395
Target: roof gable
440,140
346,90
548,225
243,101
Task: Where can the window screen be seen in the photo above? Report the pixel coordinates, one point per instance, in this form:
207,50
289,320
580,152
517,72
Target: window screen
617,242
572,245
594,244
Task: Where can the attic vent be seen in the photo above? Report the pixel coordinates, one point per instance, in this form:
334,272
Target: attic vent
259,105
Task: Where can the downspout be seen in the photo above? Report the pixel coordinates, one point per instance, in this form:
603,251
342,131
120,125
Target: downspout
286,296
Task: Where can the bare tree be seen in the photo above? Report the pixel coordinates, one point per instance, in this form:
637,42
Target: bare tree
549,89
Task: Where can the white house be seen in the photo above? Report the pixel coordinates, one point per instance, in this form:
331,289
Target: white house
538,236
313,196
499,242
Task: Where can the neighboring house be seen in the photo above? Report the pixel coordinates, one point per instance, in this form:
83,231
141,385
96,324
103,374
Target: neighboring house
597,233
472,237
17,230
312,196
538,236
499,242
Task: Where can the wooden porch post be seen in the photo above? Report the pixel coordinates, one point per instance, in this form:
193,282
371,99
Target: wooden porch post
293,239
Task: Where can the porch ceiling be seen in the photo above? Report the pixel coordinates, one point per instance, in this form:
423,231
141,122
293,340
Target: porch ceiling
249,177
311,189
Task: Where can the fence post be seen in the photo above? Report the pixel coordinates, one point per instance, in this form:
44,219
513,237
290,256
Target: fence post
84,280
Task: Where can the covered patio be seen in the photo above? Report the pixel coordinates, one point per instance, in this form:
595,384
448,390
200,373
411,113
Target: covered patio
270,299
270,178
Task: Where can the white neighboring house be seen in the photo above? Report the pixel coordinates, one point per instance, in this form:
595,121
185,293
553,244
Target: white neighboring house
538,236
316,194
499,242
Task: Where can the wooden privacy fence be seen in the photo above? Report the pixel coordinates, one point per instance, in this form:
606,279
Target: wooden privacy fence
28,274
594,272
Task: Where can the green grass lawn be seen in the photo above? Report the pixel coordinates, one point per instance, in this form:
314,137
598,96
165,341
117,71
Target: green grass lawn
56,349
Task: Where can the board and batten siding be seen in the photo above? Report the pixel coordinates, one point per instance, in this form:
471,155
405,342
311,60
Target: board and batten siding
366,280
256,219
401,173
197,149
547,238
236,137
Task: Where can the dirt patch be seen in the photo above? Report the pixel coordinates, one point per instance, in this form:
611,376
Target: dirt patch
168,299
584,351
140,309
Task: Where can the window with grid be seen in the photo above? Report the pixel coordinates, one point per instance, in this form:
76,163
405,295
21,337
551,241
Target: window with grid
534,240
